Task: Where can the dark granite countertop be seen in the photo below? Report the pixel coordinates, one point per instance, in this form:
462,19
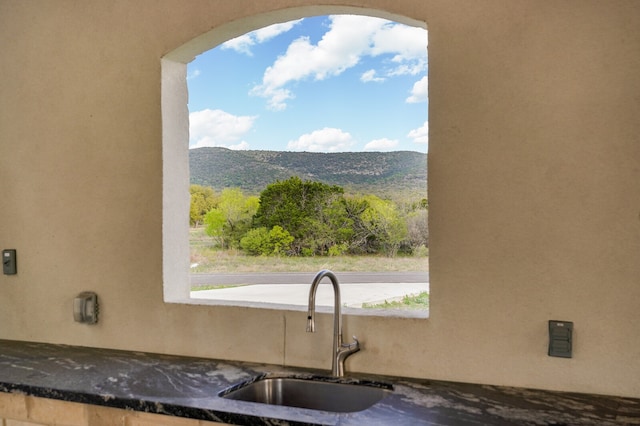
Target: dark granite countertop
189,387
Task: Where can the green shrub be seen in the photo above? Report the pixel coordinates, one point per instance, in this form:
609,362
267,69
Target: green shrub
260,242
256,241
338,249
279,240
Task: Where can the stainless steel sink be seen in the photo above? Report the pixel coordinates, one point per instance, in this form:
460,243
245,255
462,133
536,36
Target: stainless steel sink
313,393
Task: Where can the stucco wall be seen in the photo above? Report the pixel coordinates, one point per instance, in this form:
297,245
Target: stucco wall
534,190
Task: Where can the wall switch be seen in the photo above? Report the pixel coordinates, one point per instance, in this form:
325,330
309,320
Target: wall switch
9,263
561,339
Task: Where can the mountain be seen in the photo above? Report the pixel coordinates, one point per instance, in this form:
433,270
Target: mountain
395,175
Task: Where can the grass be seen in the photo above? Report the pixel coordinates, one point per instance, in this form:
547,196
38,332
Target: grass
210,259
206,257
417,301
215,286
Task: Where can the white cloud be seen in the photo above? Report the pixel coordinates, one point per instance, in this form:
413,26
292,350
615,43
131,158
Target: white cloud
193,74
244,145
349,39
276,97
420,91
406,43
267,33
244,43
370,76
325,140
240,44
421,134
218,128
413,68
383,144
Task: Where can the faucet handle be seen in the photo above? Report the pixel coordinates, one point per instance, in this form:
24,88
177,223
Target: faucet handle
355,345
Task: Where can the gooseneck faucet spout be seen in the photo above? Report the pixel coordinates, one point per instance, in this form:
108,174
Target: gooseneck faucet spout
340,350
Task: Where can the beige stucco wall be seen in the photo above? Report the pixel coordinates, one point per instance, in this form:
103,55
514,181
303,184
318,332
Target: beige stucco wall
534,190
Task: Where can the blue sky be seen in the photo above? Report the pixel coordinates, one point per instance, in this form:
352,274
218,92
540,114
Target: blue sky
321,84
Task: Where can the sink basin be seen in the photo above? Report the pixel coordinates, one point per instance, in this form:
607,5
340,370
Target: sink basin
312,393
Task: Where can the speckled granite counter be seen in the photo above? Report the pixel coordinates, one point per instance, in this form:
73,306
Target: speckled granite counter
189,387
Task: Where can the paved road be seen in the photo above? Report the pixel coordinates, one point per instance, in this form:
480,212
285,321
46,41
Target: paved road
306,278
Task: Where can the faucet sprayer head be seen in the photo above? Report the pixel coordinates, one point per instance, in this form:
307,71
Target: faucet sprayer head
311,325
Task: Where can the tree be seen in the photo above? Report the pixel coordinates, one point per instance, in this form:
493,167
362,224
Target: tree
384,223
360,236
312,212
418,228
202,200
231,219
214,221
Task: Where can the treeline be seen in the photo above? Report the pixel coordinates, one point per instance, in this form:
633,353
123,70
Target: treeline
307,218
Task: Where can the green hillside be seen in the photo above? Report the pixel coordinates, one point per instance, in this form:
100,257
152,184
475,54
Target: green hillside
396,175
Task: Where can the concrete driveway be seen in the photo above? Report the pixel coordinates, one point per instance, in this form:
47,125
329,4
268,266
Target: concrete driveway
353,294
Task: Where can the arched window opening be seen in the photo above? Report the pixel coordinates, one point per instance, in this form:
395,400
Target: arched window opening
307,150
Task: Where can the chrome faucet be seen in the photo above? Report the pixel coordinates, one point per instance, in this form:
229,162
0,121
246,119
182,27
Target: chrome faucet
340,350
